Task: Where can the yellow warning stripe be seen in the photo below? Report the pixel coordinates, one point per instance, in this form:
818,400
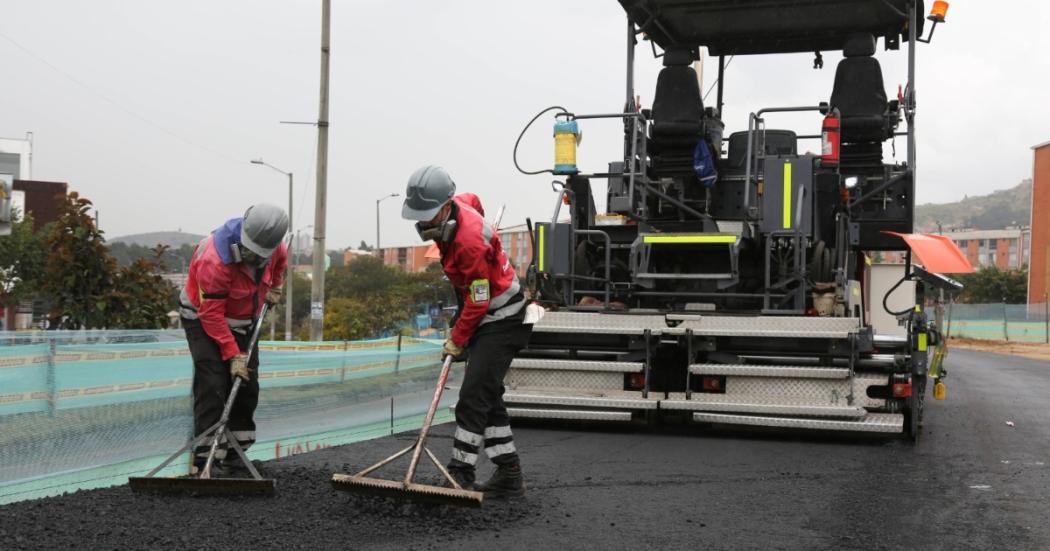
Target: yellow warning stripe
787,195
540,252
679,239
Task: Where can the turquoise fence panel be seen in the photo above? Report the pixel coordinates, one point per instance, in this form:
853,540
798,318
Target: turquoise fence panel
1001,322
90,408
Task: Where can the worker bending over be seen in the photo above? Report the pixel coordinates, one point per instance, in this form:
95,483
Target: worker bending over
233,271
488,329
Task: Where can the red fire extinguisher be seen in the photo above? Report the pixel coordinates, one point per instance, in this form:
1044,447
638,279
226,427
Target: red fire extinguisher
831,136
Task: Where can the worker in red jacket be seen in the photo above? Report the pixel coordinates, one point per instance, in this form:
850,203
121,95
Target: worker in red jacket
488,329
233,271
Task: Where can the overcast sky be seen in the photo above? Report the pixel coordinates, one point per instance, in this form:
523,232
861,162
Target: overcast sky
154,109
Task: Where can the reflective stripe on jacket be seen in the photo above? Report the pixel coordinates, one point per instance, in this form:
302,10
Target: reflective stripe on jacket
226,294
478,268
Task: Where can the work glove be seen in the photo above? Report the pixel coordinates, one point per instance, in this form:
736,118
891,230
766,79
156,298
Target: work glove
239,367
273,296
452,349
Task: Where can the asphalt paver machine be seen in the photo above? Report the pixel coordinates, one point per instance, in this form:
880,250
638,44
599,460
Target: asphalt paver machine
727,280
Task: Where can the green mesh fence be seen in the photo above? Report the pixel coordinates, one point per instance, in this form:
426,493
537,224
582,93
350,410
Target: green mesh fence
1001,322
88,409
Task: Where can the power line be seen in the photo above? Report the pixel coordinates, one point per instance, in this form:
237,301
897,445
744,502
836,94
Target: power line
116,104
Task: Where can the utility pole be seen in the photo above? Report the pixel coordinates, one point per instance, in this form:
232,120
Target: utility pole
317,285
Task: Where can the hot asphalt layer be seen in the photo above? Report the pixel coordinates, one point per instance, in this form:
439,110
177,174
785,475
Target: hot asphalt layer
972,482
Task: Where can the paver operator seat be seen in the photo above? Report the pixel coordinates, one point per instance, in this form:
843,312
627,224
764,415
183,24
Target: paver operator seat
677,116
860,97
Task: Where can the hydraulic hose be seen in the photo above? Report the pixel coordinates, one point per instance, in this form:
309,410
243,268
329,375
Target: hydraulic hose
526,129
885,298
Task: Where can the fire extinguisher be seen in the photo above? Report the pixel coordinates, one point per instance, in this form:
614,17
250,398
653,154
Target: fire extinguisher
831,137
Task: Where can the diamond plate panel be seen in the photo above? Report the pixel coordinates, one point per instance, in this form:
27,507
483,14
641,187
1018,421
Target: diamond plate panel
558,380
798,392
765,408
576,365
874,422
800,327
587,322
617,400
770,371
570,414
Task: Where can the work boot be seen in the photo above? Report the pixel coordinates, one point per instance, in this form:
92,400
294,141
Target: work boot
464,476
507,481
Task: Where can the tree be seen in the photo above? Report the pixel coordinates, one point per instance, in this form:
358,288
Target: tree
363,318
23,255
364,246
79,273
361,277
990,285
141,298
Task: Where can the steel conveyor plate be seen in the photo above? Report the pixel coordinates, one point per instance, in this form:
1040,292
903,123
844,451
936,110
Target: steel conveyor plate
873,422
616,400
765,408
593,323
577,365
795,327
570,414
770,371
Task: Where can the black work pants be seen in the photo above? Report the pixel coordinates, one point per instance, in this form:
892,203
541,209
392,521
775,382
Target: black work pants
481,417
211,388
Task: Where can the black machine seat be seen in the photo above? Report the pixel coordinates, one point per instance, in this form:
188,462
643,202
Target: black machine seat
860,94
677,117
777,142
678,110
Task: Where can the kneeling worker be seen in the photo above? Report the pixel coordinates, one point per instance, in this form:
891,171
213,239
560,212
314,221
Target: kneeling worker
488,329
233,271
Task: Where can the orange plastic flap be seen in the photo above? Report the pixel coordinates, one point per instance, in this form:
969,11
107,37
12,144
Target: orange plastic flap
432,253
936,253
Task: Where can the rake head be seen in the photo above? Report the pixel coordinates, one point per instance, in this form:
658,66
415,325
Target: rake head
193,486
419,493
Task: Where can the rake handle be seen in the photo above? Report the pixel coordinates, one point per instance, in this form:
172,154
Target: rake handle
220,430
417,453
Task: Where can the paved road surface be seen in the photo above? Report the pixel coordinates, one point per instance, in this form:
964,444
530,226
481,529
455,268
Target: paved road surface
971,483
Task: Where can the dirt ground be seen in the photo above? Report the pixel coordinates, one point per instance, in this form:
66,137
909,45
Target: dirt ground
1035,351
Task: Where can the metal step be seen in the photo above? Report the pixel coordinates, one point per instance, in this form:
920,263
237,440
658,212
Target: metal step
873,422
616,400
794,327
765,408
603,324
749,370
577,365
570,414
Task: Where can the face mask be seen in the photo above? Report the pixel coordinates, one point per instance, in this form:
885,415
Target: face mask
252,259
441,232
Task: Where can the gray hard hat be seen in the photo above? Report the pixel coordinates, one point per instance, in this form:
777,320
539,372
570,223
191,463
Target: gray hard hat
429,188
263,228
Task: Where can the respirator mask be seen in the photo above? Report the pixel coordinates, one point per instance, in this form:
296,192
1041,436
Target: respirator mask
442,231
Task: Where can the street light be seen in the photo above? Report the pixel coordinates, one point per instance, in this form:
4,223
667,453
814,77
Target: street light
288,274
380,200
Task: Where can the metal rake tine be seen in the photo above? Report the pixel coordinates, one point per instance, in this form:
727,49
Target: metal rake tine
386,461
442,468
240,452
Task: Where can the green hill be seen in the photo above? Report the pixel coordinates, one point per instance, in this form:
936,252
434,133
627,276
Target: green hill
997,210
173,239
